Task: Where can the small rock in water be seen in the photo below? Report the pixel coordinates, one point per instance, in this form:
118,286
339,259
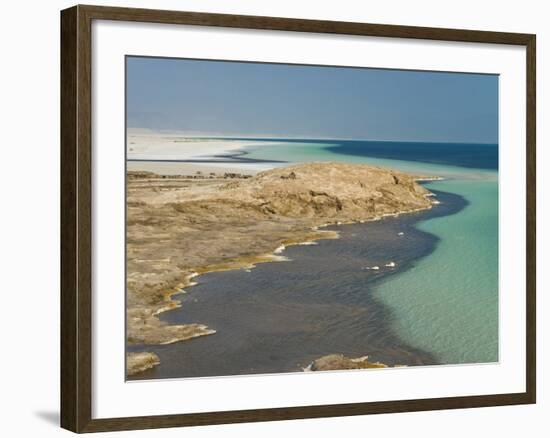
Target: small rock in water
341,362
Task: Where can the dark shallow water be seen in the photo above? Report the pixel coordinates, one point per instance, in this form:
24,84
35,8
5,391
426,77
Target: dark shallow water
280,316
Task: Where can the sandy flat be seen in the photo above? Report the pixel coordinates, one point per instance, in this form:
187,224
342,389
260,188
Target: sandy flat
153,151
149,145
178,168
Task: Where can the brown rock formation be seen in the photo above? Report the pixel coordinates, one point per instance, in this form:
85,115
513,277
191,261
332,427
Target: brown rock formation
333,362
138,362
180,227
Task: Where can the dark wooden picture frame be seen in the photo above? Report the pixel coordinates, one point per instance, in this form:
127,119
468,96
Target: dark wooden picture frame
76,217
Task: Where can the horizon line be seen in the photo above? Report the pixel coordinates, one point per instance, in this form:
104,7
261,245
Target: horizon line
204,135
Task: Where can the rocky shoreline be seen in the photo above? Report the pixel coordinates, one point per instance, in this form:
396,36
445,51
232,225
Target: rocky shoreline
181,227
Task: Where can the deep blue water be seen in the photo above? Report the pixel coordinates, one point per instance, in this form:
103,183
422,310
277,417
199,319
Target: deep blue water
470,155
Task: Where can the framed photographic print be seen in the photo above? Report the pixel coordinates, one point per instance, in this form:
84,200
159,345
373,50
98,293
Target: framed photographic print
270,218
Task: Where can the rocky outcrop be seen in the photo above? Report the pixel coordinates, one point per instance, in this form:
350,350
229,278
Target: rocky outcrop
139,362
333,362
178,228
345,192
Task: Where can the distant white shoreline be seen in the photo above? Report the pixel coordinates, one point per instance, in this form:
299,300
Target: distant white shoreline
159,152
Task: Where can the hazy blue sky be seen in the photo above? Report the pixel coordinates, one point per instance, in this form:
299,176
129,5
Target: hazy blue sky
279,100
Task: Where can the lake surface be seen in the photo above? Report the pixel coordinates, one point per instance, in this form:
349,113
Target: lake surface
439,305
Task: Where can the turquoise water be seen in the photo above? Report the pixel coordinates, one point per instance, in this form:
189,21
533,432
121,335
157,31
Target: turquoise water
447,303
